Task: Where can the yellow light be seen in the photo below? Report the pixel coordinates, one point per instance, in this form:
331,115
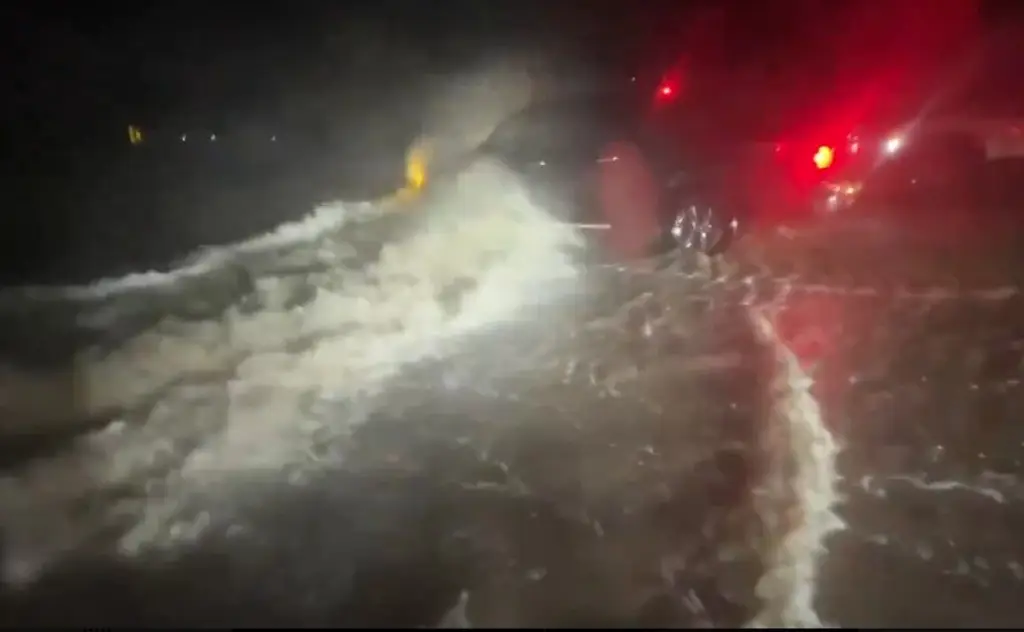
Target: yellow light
134,135
416,161
416,167
823,157
415,174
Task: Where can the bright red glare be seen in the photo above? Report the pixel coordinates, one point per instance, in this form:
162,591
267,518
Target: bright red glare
667,90
824,156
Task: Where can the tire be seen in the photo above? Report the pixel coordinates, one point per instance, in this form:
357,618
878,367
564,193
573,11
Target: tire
704,227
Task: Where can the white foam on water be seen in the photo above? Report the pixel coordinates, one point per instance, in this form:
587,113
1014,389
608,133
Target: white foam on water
320,221
805,468
205,407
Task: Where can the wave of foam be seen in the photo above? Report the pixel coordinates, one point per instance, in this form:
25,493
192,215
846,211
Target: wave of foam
203,406
320,221
806,453
270,386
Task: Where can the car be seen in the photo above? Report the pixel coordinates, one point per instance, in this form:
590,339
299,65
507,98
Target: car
650,166
625,162
936,160
602,165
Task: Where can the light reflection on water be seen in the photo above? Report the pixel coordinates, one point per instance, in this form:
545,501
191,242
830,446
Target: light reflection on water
643,451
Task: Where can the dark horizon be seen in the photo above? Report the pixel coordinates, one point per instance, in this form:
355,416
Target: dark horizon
80,61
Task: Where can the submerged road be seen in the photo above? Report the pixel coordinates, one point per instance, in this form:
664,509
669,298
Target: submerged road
823,428
917,349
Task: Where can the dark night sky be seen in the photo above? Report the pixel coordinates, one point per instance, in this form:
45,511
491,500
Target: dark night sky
170,56
69,62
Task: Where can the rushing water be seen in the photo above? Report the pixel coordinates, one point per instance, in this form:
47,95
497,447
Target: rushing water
660,434
438,415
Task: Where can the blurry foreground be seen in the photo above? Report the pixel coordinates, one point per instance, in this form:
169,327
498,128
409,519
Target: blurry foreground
440,416
355,421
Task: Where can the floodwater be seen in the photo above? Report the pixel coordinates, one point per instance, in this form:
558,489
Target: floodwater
441,417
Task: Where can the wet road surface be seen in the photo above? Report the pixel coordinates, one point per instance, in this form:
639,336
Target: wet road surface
650,458
554,491
917,355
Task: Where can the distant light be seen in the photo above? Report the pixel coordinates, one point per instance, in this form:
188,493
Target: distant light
893,145
213,137
134,135
273,139
667,90
184,137
416,168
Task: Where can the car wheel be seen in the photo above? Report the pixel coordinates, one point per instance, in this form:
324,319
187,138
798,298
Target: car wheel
703,228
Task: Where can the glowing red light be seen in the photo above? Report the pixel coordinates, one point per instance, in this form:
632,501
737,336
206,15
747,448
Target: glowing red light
824,156
668,90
